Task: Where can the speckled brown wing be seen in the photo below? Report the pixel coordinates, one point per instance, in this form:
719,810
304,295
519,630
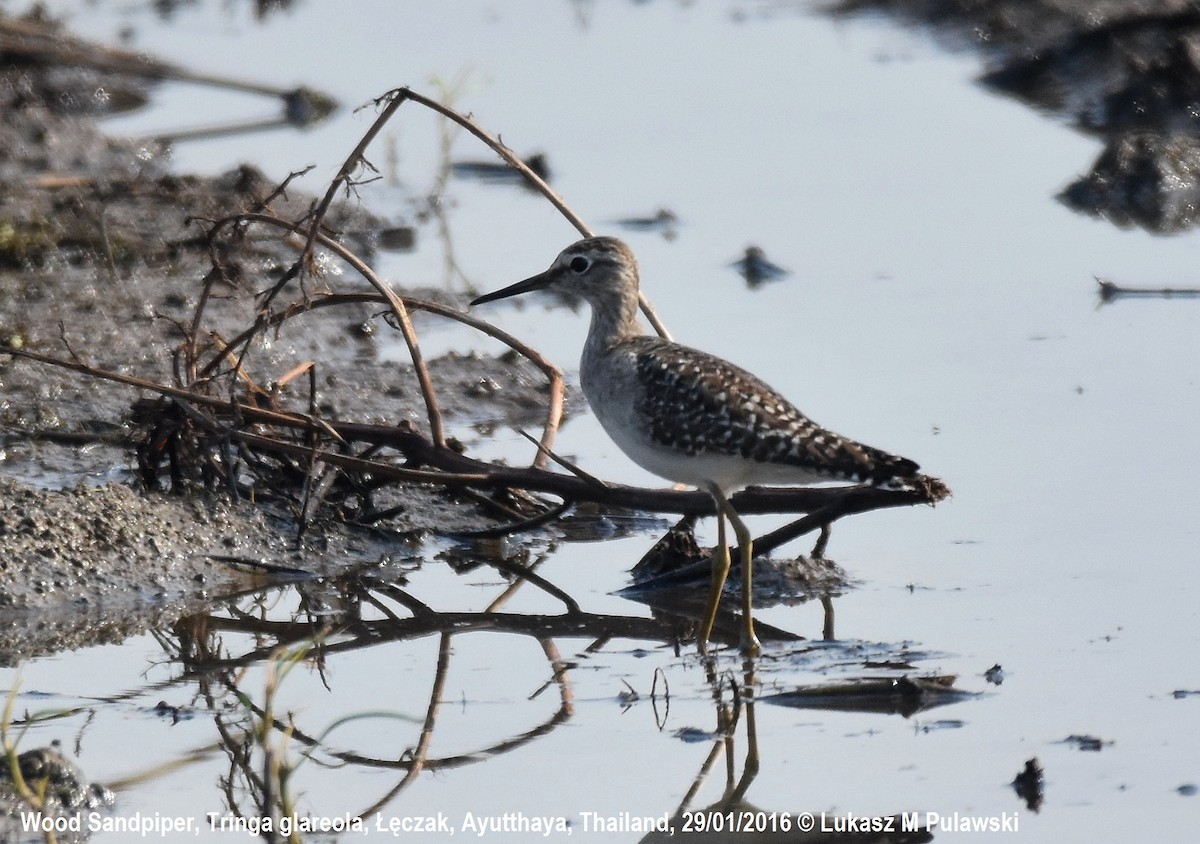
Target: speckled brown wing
697,403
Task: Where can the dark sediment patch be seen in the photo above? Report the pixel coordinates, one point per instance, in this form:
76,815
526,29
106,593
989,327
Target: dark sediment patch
1125,70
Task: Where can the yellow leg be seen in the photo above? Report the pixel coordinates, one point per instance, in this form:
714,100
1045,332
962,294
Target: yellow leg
750,770
750,645
818,551
720,571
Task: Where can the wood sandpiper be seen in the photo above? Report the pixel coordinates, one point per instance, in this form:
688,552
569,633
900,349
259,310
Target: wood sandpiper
691,417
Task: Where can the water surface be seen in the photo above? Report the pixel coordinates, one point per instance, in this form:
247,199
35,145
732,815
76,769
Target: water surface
940,304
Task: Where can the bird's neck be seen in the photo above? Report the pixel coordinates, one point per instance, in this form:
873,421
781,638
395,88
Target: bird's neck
613,321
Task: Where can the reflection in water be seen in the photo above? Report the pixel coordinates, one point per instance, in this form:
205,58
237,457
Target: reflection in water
905,696
40,42
672,575
731,817
264,747
303,108
241,664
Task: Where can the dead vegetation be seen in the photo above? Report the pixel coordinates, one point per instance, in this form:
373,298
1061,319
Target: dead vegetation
229,420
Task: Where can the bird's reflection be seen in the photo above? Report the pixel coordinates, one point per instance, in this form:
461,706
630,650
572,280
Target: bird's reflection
238,661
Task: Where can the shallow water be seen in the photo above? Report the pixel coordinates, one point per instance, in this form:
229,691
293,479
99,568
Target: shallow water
940,304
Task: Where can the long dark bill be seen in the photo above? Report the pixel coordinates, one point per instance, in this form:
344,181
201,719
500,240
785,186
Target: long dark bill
537,282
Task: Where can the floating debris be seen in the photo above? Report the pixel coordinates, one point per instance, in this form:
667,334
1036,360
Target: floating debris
662,221
1110,292
1030,785
303,107
756,268
500,172
398,238
695,735
174,713
943,724
1091,743
905,696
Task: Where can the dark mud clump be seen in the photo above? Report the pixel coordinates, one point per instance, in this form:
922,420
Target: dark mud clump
63,795
1126,70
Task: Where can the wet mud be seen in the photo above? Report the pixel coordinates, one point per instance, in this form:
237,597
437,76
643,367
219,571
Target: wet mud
102,256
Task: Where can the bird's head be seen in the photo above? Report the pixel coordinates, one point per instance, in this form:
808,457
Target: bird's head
596,269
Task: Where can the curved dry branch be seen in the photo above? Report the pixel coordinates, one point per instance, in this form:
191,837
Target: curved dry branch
398,96
454,470
557,384
395,302
311,231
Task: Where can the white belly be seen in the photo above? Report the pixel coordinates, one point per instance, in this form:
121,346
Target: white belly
610,382
729,472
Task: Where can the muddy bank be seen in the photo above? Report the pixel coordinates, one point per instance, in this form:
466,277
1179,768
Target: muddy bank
103,256
95,564
59,545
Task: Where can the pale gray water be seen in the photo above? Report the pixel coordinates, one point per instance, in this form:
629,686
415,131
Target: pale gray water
940,304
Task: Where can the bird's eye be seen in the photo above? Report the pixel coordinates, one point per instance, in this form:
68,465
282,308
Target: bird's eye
579,264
